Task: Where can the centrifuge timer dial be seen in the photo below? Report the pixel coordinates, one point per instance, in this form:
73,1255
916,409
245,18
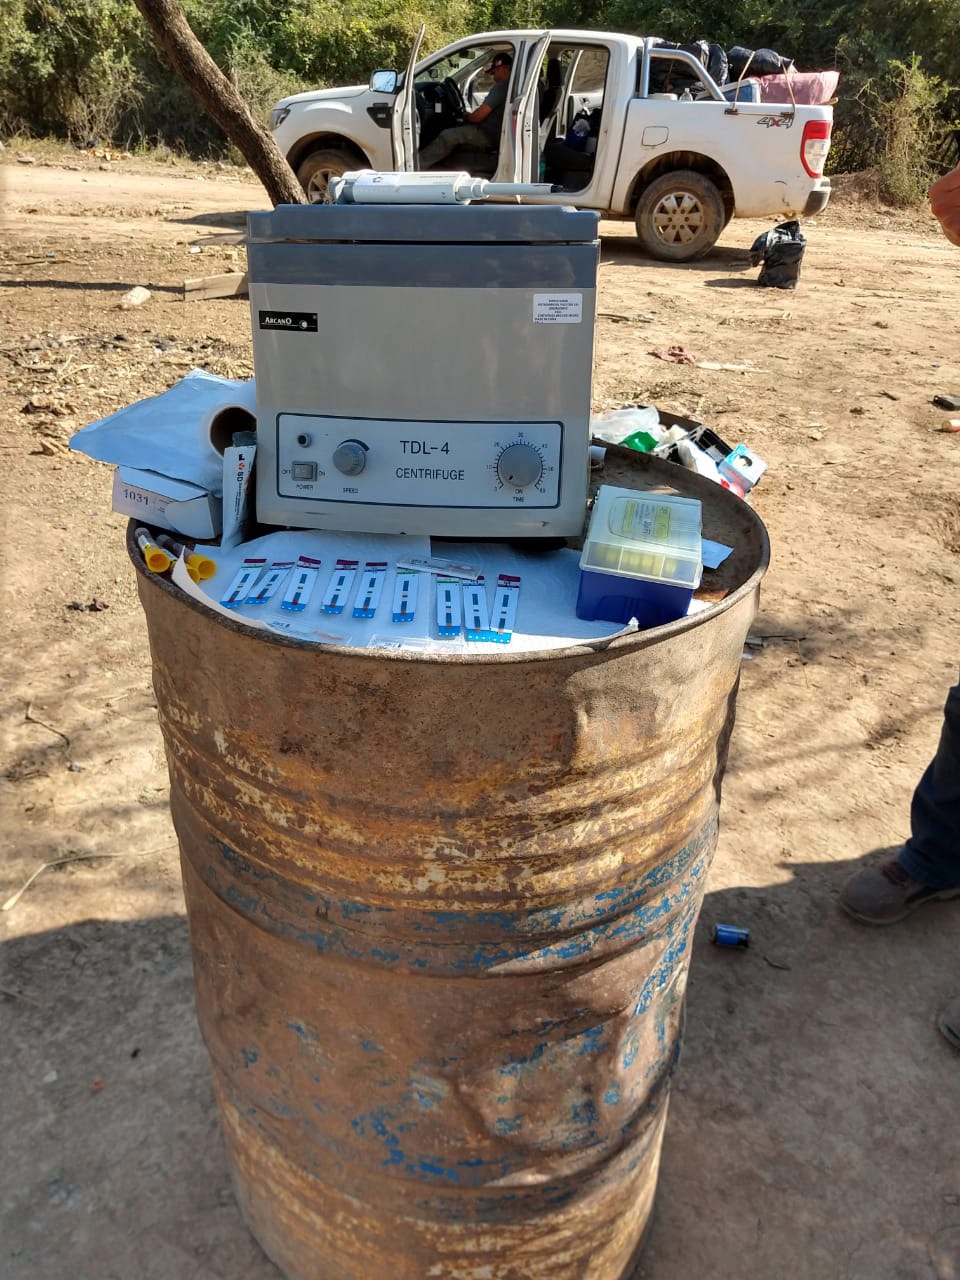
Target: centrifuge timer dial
519,465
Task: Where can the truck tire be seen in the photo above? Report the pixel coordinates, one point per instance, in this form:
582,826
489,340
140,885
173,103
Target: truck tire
316,170
679,216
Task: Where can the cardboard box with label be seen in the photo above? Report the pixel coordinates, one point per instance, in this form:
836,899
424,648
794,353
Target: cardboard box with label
165,503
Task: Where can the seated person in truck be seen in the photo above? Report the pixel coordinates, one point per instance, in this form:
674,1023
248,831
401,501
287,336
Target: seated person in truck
482,130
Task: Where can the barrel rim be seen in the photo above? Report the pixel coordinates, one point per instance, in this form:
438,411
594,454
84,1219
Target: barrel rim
621,642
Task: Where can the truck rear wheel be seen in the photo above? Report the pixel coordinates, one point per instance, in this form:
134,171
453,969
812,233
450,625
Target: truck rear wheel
315,171
679,216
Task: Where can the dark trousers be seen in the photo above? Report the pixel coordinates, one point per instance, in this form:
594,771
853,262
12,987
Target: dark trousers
932,854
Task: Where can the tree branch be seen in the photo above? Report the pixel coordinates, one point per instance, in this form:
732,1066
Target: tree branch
220,99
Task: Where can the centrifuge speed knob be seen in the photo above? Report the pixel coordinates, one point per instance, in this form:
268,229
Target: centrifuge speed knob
519,465
350,457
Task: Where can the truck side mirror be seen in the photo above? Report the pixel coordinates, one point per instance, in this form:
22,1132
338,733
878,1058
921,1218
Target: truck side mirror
384,81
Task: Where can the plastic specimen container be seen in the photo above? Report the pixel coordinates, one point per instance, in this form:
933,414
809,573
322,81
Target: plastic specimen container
641,557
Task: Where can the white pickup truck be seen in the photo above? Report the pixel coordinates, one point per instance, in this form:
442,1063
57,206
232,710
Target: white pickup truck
680,166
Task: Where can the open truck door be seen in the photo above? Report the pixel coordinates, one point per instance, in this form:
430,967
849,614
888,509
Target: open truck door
402,132
520,140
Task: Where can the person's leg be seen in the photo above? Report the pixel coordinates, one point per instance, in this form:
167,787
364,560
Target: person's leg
932,854
463,135
927,868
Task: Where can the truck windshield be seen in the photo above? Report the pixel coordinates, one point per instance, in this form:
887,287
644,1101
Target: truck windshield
467,67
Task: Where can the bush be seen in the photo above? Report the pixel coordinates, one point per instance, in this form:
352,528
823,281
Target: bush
66,69
260,84
913,129
85,68
900,129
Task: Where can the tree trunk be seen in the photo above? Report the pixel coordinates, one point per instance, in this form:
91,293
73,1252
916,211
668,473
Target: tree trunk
220,99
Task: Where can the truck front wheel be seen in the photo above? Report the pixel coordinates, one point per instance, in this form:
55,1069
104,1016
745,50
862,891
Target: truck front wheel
315,171
679,216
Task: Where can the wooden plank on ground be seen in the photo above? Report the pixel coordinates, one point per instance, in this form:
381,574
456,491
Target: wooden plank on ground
222,237
233,284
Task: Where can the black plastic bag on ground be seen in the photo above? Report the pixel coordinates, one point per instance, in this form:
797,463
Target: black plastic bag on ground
781,252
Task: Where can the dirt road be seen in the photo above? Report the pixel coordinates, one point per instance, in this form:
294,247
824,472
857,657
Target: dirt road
813,1131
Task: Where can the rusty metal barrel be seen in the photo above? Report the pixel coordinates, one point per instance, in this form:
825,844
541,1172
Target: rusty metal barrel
441,912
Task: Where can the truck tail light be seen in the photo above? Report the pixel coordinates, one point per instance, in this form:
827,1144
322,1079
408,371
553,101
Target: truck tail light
814,146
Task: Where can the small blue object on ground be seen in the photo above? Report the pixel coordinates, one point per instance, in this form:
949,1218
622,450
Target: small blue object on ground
728,935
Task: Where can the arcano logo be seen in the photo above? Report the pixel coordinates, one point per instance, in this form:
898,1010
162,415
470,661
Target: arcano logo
294,321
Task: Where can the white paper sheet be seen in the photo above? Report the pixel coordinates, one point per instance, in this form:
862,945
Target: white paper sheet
546,612
546,617
181,433
312,624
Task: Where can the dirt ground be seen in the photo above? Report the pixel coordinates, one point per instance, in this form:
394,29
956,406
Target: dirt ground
813,1131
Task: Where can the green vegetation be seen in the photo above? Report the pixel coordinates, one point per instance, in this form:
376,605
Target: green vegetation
907,105
83,69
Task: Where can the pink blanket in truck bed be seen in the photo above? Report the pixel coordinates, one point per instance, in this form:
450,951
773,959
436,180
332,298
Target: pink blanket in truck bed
809,87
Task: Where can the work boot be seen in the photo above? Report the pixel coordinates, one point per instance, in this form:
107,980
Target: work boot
949,1023
885,894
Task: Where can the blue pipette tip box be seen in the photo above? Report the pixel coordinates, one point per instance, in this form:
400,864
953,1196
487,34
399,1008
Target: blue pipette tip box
641,557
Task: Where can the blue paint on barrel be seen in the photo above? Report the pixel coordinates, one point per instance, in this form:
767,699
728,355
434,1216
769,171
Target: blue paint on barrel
286,893
508,1124
622,917
594,1040
390,1134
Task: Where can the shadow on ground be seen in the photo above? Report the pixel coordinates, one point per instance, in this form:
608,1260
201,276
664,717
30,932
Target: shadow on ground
624,252
220,218
801,1141
86,286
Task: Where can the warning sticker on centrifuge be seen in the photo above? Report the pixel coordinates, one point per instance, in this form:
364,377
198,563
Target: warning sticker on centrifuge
557,308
